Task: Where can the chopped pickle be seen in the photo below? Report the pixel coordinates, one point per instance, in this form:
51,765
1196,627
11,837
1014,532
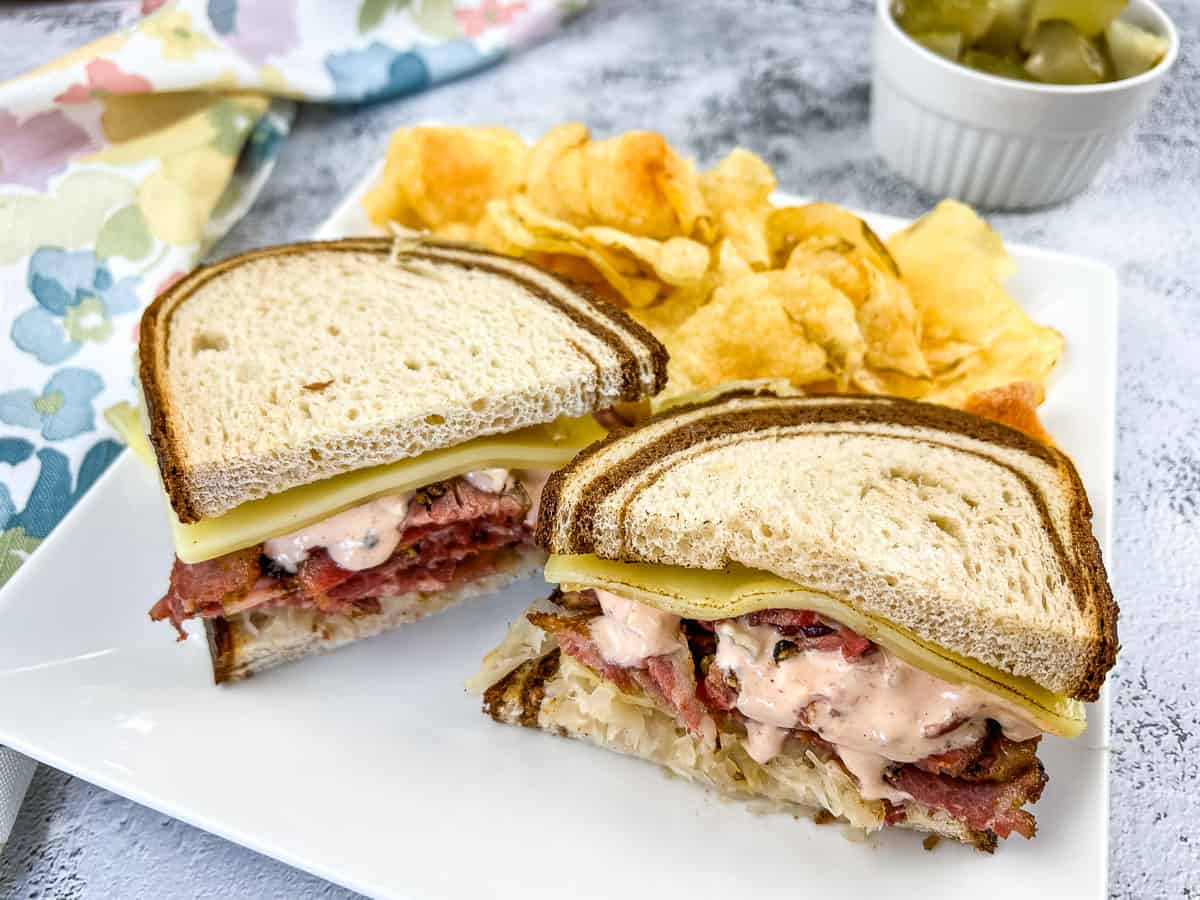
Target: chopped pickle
971,17
1011,21
1052,41
1089,16
1060,54
994,64
944,43
1133,50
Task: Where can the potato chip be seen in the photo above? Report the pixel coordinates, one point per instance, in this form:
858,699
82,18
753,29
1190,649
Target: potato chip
738,191
460,231
538,220
558,189
1024,351
891,383
437,176
633,290
735,288
891,327
634,182
579,270
836,260
781,324
789,225
544,226
885,313
668,316
676,261
827,316
974,334
730,263
956,223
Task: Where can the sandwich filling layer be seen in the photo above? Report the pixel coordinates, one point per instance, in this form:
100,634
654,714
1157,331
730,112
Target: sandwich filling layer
792,682
444,534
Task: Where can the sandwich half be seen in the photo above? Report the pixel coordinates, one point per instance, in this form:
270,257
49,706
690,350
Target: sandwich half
354,434
869,606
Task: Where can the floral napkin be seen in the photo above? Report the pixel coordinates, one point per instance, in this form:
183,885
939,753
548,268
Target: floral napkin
122,162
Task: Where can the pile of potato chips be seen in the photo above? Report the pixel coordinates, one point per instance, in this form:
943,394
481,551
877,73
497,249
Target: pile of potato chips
736,287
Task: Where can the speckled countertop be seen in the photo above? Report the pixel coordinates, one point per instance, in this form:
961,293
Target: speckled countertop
789,80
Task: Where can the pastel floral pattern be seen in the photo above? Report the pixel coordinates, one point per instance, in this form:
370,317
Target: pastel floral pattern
376,71
77,298
488,14
435,18
62,410
13,451
257,29
51,498
103,77
34,149
181,40
231,121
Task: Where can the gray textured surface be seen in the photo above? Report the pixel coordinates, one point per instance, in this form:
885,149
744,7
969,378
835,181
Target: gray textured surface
789,80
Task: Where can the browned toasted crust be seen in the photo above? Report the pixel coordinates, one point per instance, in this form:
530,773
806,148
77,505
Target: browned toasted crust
552,623
156,325
1089,581
220,650
516,699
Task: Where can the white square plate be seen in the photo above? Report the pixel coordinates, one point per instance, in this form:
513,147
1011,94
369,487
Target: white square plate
373,768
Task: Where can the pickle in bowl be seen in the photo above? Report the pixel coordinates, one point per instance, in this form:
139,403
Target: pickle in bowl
1070,42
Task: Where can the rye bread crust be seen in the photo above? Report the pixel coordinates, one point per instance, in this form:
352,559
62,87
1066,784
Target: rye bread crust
220,649
1085,571
156,324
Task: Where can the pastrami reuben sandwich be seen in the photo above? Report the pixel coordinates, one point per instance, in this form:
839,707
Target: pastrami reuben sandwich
354,434
870,606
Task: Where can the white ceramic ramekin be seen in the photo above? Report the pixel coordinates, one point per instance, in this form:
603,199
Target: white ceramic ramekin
996,142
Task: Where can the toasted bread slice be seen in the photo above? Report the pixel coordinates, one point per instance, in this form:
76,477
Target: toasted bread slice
291,364
971,535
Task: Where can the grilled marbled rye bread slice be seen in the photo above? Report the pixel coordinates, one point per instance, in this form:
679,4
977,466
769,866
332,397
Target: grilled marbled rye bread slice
295,363
970,534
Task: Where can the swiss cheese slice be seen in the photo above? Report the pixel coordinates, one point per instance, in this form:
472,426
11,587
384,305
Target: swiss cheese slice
735,591
539,447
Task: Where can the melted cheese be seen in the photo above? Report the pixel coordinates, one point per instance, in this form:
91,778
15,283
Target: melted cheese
709,595
539,447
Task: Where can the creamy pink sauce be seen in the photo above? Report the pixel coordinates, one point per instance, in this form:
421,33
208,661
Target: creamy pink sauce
876,711
359,538
764,742
630,632
365,536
